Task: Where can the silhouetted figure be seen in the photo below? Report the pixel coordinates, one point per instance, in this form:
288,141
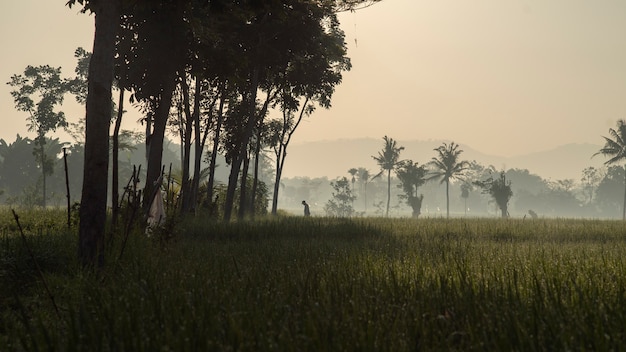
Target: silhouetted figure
307,212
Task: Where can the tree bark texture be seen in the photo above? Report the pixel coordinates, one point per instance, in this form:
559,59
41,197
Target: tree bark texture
198,146
115,193
97,120
243,148
155,152
216,140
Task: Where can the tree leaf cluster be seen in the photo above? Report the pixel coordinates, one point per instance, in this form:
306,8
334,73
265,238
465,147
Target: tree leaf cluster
498,188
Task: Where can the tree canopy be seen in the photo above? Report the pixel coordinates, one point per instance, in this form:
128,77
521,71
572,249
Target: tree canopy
615,148
447,166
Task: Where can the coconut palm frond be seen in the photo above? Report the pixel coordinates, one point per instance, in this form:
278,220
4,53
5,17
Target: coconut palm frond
616,149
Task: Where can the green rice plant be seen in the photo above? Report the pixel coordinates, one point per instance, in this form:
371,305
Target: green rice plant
293,283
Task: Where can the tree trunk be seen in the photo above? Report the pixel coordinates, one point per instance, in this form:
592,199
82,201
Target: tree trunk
255,180
285,138
115,205
257,154
216,141
198,146
97,121
43,169
505,212
243,190
280,160
243,148
155,152
388,191
416,204
232,186
447,199
186,137
67,191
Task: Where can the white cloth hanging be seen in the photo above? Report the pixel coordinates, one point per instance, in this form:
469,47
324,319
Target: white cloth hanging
156,215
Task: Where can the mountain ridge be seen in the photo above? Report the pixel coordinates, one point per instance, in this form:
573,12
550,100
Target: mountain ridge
333,158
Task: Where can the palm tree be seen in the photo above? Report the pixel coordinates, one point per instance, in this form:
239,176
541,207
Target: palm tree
363,175
353,172
387,159
615,147
447,167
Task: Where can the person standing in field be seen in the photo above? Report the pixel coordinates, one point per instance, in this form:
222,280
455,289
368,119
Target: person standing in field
307,211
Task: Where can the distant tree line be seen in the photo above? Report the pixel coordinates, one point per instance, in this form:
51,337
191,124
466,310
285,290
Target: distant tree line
470,188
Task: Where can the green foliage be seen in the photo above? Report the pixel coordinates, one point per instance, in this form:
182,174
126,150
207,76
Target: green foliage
609,196
389,156
78,85
341,203
388,159
615,148
46,83
411,176
294,283
446,166
214,208
499,189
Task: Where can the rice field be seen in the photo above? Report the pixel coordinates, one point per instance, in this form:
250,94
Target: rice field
323,284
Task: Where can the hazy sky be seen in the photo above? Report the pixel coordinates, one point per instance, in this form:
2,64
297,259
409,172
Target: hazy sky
503,76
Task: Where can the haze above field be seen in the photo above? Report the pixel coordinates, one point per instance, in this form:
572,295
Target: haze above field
562,162
506,78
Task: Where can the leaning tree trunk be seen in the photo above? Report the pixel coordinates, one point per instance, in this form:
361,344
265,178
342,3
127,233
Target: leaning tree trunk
97,120
216,141
186,138
155,152
198,147
280,161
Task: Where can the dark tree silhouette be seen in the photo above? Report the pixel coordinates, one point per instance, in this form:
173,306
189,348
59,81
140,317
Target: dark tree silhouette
615,148
447,166
97,120
500,190
388,159
412,177
46,83
364,178
341,203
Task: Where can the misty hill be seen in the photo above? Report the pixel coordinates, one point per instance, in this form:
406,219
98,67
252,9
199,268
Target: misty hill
333,158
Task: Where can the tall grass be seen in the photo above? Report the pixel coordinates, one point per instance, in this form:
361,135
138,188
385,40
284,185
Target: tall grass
335,284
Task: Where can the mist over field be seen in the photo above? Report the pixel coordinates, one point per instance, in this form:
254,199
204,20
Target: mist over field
550,183
333,157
